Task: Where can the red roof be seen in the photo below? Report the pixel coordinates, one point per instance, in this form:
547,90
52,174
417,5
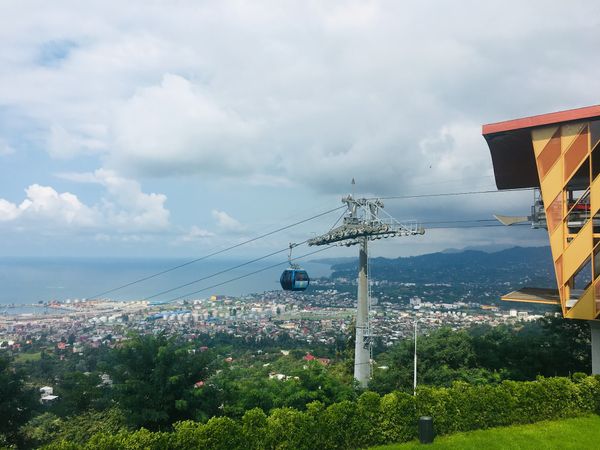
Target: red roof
569,115
309,357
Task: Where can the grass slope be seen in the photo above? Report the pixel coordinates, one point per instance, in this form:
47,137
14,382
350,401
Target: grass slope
25,357
579,433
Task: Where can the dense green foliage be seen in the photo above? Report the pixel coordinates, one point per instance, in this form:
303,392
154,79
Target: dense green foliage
17,402
372,419
236,390
264,396
49,427
153,380
484,354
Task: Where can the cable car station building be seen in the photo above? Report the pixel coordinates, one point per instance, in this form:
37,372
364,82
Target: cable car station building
559,154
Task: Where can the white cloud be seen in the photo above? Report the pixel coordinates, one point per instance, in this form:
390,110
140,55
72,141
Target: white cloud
301,94
129,207
65,144
195,233
226,222
176,127
48,208
8,211
124,209
298,96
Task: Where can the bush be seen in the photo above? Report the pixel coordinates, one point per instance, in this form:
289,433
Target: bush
141,439
398,421
254,429
288,428
463,407
372,419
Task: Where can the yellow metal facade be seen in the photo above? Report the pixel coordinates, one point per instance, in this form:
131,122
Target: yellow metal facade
568,164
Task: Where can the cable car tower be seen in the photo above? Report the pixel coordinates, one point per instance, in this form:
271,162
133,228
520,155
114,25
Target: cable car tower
363,222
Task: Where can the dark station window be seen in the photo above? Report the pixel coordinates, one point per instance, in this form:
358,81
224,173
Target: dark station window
578,205
596,261
595,162
580,181
583,278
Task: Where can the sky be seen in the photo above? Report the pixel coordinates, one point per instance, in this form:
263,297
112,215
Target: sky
173,129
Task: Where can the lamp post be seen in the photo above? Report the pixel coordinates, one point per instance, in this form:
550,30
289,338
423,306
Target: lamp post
415,361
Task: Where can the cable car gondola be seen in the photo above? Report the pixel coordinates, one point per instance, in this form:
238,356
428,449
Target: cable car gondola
294,278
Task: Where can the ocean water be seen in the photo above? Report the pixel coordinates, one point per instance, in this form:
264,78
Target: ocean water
33,280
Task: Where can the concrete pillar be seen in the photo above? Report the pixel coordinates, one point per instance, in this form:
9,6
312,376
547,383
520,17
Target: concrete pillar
595,330
362,354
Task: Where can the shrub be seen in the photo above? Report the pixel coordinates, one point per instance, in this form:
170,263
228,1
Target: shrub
254,429
288,428
372,419
398,419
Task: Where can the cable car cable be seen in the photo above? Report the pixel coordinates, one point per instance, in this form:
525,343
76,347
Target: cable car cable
458,221
449,194
146,278
338,221
248,274
218,252
479,226
221,272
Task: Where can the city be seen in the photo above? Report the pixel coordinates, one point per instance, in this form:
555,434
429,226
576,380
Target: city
320,315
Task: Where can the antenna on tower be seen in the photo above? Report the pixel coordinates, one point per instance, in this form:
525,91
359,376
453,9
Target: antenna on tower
362,223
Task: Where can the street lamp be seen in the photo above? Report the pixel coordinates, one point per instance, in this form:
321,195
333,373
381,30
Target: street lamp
415,360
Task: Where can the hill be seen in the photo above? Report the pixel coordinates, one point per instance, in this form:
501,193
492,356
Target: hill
526,265
474,276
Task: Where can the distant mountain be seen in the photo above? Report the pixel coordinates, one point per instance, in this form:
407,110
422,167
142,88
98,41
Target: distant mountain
518,265
492,248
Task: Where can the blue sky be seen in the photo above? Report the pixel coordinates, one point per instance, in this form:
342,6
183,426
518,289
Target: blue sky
175,128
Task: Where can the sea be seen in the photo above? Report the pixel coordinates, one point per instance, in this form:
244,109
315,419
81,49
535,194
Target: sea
31,281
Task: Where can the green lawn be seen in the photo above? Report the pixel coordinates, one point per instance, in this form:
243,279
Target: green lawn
24,357
580,433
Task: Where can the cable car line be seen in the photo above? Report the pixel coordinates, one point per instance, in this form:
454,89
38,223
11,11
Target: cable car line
218,252
248,274
479,226
338,221
459,221
221,272
450,194
270,233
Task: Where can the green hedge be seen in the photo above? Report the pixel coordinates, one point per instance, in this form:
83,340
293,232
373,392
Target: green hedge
372,419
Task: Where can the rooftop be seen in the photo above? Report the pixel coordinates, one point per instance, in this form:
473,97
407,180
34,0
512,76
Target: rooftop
512,149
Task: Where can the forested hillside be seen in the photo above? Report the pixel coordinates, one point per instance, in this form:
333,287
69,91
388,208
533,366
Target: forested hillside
528,264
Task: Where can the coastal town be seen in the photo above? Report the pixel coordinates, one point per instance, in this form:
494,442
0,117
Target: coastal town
320,315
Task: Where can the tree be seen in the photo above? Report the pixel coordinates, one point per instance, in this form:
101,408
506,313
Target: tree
42,429
17,403
153,380
254,429
79,392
